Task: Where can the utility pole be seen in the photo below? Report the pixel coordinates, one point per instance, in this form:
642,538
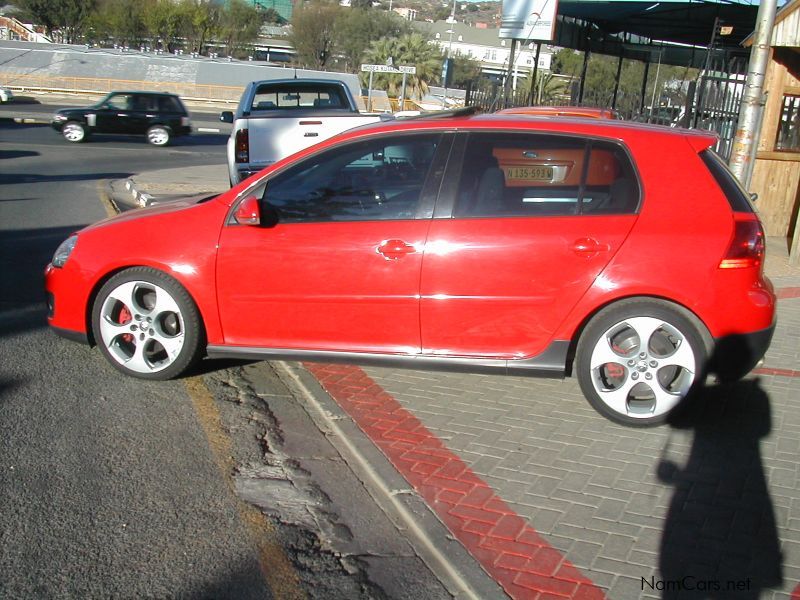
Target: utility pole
744,142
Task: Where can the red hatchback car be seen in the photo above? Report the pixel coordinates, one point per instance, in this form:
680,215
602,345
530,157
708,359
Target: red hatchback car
622,253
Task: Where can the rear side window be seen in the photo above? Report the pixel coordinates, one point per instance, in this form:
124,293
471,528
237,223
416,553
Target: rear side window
737,196
520,175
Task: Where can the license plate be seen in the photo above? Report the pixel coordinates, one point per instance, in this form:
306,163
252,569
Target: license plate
530,173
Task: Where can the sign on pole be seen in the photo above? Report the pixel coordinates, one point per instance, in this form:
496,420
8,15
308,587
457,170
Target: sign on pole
529,20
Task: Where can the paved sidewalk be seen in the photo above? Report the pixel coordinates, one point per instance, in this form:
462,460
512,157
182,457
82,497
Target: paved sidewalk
554,501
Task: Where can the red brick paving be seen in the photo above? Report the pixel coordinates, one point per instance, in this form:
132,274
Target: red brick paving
511,551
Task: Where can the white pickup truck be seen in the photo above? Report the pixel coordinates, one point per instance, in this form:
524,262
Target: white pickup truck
279,117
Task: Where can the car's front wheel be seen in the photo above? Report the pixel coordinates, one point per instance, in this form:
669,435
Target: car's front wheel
158,135
637,359
75,132
146,324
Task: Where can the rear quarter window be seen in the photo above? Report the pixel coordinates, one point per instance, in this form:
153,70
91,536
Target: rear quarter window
169,104
527,175
737,196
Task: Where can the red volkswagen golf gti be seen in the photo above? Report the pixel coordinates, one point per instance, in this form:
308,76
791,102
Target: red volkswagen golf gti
624,254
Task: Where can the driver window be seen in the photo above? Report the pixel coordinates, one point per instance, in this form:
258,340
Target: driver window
379,179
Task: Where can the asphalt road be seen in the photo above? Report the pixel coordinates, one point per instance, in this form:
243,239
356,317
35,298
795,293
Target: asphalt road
107,484
196,488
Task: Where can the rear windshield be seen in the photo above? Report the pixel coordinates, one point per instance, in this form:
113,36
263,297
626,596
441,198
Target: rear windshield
292,96
737,196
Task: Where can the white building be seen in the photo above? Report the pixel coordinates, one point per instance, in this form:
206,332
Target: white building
485,46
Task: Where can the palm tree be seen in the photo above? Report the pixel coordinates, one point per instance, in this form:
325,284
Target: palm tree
408,50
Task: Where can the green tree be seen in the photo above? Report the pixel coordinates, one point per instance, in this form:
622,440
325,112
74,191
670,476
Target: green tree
239,25
200,24
67,17
413,50
357,28
164,19
120,20
465,70
314,32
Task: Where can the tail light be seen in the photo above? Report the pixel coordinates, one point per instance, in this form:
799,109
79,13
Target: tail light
242,147
185,121
746,248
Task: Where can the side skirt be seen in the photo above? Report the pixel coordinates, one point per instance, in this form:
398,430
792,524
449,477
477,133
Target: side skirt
550,363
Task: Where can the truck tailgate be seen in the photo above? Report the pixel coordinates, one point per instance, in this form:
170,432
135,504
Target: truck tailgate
272,138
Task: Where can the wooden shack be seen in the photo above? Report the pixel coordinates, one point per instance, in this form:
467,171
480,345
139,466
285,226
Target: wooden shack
776,173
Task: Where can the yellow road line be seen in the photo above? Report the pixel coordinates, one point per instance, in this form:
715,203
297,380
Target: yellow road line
275,565
102,191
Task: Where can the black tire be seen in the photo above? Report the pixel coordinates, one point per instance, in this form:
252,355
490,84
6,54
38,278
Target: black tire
146,324
75,132
159,135
648,380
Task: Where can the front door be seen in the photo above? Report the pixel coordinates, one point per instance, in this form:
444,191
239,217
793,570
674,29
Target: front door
340,269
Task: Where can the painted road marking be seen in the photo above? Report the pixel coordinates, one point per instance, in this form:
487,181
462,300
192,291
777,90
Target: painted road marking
275,566
207,130
511,551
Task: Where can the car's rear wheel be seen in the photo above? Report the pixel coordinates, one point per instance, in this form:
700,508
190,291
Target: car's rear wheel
146,324
158,135
637,359
74,132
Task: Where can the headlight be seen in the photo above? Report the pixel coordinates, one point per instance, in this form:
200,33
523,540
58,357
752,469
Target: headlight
58,117
64,250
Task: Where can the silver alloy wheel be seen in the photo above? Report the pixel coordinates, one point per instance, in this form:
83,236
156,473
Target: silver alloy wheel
141,326
641,367
74,132
158,136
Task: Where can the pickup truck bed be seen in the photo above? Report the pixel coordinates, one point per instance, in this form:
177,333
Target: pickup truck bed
280,117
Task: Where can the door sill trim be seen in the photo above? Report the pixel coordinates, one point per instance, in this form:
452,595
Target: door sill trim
550,363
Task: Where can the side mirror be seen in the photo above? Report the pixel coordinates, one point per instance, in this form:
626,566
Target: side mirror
226,116
248,212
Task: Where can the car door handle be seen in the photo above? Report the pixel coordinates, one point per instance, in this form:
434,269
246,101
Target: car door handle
589,246
394,249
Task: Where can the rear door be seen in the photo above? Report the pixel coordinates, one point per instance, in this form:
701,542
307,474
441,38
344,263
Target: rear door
340,270
524,226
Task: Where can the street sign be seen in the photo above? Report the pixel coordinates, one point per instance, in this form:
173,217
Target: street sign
388,69
379,69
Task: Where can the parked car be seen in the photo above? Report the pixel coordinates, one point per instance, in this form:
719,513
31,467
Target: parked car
622,253
6,95
562,111
160,116
278,117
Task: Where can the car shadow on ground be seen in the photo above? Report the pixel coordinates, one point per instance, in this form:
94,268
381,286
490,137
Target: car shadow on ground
720,538
24,253
17,154
15,178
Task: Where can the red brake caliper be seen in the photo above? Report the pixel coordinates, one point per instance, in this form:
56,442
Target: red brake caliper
124,317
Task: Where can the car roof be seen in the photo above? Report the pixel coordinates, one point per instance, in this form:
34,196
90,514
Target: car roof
466,119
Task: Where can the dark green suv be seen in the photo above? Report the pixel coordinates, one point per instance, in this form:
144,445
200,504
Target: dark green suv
157,115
